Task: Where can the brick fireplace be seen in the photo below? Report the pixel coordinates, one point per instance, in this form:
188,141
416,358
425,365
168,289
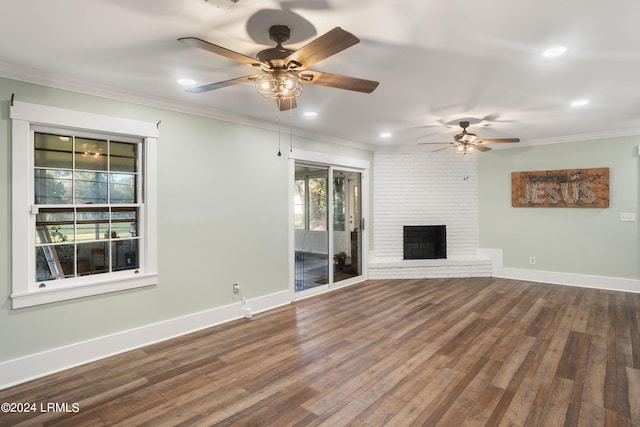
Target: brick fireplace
417,187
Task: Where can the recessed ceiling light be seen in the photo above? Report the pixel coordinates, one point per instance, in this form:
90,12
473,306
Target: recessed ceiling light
579,102
554,52
310,114
186,82
385,135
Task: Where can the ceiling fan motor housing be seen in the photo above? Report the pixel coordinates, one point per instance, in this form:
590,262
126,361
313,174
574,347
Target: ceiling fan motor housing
275,56
279,33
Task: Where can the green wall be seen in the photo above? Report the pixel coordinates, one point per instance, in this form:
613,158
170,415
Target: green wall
223,219
590,241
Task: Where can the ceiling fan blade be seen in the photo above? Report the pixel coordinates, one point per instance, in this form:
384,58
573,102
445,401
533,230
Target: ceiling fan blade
440,149
222,51
338,81
285,104
218,85
481,147
322,47
500,140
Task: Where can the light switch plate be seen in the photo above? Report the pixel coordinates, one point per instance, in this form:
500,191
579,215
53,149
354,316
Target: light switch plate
627,216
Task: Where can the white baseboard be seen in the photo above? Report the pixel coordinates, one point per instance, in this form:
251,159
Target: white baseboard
571,279
17,371
37,365
559,278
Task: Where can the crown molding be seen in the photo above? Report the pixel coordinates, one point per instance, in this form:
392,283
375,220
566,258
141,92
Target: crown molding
31,75
582,137
45,78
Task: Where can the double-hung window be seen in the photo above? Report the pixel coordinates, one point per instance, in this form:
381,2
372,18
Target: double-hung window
83,204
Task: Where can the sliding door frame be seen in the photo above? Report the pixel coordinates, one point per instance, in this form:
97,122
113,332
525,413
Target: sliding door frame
332,162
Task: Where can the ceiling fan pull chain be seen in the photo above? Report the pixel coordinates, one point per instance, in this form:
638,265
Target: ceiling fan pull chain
290,128
279,152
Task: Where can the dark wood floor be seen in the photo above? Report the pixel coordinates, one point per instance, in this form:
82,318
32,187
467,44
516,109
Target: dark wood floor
444,352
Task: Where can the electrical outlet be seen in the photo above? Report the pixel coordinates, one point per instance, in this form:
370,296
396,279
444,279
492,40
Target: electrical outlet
532,260
236,288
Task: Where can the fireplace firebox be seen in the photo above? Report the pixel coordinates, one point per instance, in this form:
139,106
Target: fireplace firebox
425,241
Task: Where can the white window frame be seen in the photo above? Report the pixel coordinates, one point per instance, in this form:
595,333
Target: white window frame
26,291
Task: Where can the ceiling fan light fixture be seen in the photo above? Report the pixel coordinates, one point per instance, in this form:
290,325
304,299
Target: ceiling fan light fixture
464,148
279,84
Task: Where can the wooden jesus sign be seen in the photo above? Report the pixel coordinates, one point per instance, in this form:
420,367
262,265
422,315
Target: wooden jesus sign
583,188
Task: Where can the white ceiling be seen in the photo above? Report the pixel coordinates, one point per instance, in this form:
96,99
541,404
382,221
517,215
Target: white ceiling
437,62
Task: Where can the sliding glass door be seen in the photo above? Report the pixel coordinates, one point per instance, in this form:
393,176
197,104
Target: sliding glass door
311,226
347,227
326,251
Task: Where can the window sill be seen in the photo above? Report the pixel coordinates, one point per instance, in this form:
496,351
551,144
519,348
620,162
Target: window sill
63,293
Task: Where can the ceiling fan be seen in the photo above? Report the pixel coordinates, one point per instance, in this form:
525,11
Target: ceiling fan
282,71
466,142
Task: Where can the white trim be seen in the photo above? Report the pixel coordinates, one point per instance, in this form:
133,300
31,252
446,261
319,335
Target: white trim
33,366
25,291
291,238
111,284
20,188
48,79
150,194
328,159
61,117
617,133
560,278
